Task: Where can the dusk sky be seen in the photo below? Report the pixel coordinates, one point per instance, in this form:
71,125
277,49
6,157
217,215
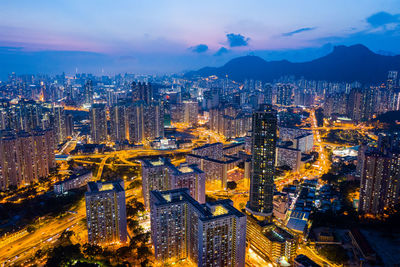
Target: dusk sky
170,36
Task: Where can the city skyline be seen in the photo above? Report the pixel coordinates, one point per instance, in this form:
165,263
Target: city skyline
200,133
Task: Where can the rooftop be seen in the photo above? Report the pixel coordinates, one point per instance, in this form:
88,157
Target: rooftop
155,162
277,234
210,210
95,187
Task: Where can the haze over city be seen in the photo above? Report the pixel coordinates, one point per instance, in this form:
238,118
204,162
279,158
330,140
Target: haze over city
175,36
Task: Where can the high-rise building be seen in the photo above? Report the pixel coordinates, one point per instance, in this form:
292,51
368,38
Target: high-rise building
106,212
355,105
264,137
98,123
69,124
212,234
136,122
284,94
392,80
89,92
146,122
153,121
155,176
160,174
190,112
119,128
191,177
268,93
25,157
380,182
143,92
60,130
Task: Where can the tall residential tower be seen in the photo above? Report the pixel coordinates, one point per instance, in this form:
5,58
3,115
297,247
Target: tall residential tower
263,162
106,212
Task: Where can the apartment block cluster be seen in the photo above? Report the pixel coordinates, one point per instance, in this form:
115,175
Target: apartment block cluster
216,234
230,121
30,115
132,120
211,234
361,104
25,157
185,112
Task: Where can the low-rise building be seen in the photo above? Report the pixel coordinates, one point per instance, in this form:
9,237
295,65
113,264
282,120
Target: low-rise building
270,241
215,169
361,243
214,150
287,156
74,181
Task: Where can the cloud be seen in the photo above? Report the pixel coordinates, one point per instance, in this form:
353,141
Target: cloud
201,48
221,51
307,29
382,19
235,40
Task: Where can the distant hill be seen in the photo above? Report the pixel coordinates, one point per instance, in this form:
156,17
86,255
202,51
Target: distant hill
343,64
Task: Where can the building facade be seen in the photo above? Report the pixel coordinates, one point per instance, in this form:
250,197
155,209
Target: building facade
159,174
270,241
98,123
106,213
25,157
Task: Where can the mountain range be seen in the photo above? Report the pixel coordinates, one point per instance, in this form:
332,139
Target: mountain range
343,64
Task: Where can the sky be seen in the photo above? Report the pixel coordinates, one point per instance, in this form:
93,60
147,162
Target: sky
164,36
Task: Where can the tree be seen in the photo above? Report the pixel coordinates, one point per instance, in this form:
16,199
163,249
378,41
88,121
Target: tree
92,250
329,177
123,252
63,255
231,185
143,254
133,207
334,253
135,184
132,223
65,237
30,229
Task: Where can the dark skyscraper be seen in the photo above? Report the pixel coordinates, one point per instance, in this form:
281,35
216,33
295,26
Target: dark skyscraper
142,91
89,92
379,187
263,162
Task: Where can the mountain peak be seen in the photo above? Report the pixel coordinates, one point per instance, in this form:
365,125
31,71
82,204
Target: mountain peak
357,48
343,64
